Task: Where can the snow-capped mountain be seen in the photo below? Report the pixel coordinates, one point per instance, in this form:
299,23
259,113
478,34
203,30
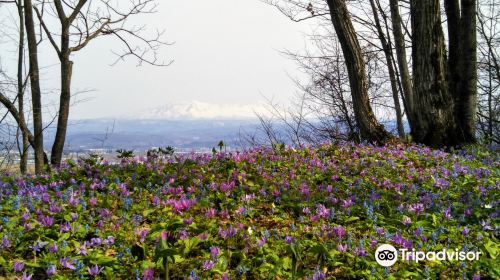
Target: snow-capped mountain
198,111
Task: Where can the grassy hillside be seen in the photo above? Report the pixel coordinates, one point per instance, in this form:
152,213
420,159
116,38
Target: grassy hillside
311,213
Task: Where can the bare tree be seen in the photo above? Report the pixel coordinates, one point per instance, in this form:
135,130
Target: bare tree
326,91
36,96
489,71
369,127
82,21
387,48
24,148
404,73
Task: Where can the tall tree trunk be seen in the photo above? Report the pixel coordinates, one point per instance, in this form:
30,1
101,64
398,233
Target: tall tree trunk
370,128
462,65
435,122
23,163
35,86
392,74
466,110
404,72
65,97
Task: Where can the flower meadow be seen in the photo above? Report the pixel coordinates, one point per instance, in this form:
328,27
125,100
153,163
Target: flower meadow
283,213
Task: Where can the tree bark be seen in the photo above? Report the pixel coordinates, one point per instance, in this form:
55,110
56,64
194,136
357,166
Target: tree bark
23,163
392,74
466,111
35,86
404,72
64,101
370,129
462,65
435,121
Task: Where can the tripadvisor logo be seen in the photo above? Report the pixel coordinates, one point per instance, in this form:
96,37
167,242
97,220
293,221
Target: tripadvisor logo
386,255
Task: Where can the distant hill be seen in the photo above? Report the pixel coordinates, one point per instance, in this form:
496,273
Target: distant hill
144,134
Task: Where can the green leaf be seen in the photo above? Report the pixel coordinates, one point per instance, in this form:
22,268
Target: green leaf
65,236
493,248
352,219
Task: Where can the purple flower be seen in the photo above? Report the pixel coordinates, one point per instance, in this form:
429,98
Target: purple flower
398,239
187,221
38,246
203,236
339,231
418,231
226,188
214,252
240,211
94,270
441,183
406,220
95,242
224,214
67,263
208,265
142,233
228,233
110,240
261,241
53,248
27,226
304,190
51,270
417,208
360,252
25,216
467,212
183,234
46,221
18,266
318,275
210,213
347,203
180,206
447,213
5,242
342,248
486,225
289,239
26,276
466,231
322,211
148,274
64,227
83,249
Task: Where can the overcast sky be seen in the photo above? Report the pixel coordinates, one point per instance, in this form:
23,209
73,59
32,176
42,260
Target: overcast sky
225,51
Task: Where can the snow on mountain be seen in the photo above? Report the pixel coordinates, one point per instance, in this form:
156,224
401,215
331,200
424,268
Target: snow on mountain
199,110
